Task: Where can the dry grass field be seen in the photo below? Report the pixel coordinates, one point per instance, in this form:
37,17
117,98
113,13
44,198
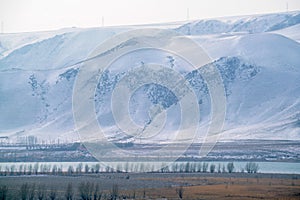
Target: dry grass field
237,186
231,188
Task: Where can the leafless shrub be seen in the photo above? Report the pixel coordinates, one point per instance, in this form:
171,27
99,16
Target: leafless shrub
86,190
97,192
69,192
31,193
52,194
114,192
41,192
3,192
24,191
179,192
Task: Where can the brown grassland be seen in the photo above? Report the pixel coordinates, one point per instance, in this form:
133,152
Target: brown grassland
232,188
237,186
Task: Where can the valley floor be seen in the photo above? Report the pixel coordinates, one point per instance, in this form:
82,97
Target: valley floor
162,185
240,150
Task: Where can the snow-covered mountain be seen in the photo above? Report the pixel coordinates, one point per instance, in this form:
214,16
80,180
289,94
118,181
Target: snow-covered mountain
248,24
258,58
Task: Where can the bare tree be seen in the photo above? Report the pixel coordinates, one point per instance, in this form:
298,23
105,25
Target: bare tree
133,195
86,190
79,168
212,168
91,190
86,168
107,169
54,170
193,167
112,170
230,167
12,169
223,168
20,169
181,167
52,194
180,191
69,192
255,167
24,191
83,193
187,167
25,169
36,168
126,167
6,170
70,170
251,167
59,170
219,168
3,192
29,169
199,167
144,193
45,168
119,168
97,168
204,167
41,169
114,192
165,169
174,167
41,192
97,192
31,193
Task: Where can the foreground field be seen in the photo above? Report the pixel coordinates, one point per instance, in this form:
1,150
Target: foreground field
159,185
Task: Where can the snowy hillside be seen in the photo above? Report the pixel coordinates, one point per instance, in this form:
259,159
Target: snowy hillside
247,24
258,58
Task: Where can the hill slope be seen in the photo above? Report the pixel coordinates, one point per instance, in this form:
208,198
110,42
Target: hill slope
257,57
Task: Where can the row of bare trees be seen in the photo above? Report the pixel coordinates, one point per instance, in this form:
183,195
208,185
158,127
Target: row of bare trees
252,167
193,167
183,167
31,192
29,169
85,191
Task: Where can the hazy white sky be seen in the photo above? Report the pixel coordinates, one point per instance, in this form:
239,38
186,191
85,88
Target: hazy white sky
38,15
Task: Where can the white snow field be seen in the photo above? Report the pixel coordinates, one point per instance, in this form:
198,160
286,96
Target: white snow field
258,58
